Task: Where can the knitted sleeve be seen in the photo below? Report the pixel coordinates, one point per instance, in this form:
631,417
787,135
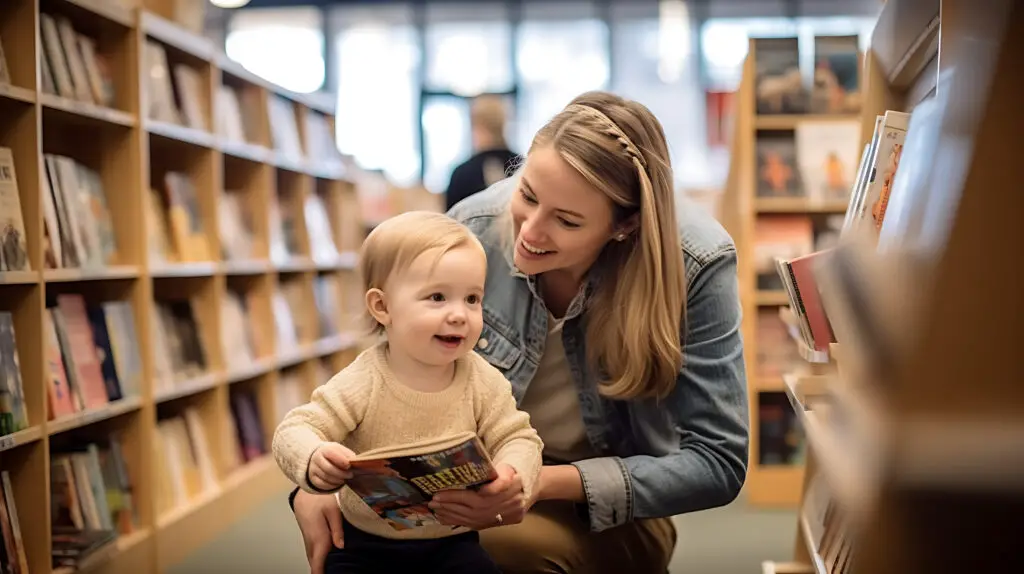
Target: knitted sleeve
504,429
334,410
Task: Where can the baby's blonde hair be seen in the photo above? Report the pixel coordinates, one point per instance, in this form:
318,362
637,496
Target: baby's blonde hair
395,243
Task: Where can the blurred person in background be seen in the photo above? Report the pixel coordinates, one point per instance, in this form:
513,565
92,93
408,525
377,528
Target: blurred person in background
616,319
492,161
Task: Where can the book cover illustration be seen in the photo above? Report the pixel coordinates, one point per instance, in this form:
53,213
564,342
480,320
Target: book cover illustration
836,85
398,485
777,172
828,154
780,87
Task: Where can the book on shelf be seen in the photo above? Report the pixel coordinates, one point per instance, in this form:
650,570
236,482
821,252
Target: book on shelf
779,85
92,354
184,217
801,287
251,440
235,226
284,129
398,482
835,88
184,458
13,246
319,230
92,500
159,90
237,341
778,171
779,236
73,66
179,347
289,393
78,229
5,71
827,154
780,438
13,413
13,558
188,86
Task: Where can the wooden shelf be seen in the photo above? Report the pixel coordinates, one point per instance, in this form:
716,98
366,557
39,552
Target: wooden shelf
22,437
15,93
797,205
106,10
791,121
769,567
128,153
64,109
18,277
772,298
92,416
117,272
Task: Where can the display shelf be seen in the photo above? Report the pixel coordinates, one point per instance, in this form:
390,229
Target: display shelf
119,232
913,428
20,438
17,94
758,221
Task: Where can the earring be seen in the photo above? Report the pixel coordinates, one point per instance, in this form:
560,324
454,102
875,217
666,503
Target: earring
620,237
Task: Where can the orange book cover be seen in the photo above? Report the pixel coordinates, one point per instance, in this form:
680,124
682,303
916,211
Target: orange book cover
83,350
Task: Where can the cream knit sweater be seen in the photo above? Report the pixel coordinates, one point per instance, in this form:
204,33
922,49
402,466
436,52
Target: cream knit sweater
365,408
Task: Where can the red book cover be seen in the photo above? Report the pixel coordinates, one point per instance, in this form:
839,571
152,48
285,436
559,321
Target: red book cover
61,402
83,350
803,274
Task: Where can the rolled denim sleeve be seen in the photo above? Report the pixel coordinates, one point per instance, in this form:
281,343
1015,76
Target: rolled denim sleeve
706,466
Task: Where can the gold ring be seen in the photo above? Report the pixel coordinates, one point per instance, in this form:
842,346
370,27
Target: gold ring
499,518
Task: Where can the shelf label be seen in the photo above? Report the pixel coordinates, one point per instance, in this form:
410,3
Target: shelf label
6,442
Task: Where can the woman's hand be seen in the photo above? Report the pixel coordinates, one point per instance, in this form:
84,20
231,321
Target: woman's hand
480,509
319,521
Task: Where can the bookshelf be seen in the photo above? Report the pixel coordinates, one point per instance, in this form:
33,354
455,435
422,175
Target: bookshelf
757,215
914,421
204,217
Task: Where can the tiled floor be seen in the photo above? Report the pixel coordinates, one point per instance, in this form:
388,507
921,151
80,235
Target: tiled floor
730,540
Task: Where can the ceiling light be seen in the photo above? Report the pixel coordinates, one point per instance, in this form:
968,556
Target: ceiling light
229,3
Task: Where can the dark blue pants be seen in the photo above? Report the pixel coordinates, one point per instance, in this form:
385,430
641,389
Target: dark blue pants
366,553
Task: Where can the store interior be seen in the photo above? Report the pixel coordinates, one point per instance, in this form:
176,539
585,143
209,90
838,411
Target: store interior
176,172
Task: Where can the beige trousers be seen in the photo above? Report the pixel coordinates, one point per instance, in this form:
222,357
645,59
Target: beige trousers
553,539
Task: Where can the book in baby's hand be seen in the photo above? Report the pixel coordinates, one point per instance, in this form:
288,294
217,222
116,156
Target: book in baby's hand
398,482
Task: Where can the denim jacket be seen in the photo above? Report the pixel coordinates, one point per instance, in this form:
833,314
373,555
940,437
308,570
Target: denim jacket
684,453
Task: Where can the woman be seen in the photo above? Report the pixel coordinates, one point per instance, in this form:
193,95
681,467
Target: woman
619,330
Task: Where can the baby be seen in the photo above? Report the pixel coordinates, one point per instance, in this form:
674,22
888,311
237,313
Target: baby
424,278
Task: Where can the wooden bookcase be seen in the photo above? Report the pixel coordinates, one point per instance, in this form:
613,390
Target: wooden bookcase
915,423
130,151
769,485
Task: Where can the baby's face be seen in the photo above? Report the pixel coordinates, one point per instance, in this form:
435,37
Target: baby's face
436,309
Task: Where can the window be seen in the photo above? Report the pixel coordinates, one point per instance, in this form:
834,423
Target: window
468,48
283,46
654,64
378,63
557,59
726,40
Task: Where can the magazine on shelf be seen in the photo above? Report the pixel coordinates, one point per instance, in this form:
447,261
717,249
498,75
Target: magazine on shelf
398,482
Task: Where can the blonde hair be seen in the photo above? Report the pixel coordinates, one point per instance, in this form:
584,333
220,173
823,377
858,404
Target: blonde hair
487,113
636,316
395,243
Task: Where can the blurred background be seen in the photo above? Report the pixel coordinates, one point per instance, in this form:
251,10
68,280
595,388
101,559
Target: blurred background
403,72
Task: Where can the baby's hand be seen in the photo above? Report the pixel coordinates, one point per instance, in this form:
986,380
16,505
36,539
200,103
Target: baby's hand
329,468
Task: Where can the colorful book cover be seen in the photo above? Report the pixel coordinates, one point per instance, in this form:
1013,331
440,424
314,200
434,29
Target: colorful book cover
779,86
827,153
398,485
778,173
836,85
